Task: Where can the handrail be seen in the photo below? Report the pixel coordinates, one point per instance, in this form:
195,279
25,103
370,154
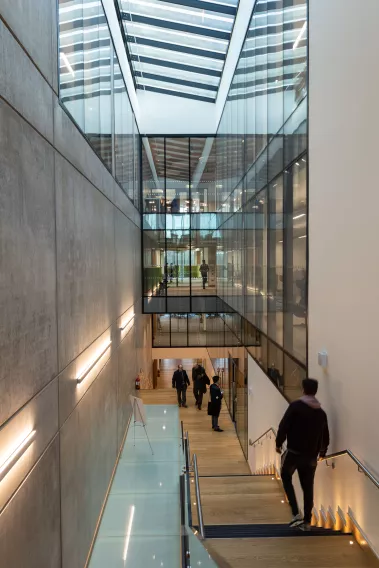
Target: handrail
184,536
198,497
262,436
191,466
362,468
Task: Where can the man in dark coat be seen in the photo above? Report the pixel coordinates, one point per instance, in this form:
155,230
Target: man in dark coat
180,381
215,403
197,370
305,427
200,382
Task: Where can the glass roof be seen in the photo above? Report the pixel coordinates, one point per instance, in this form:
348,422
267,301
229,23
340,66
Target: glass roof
178,47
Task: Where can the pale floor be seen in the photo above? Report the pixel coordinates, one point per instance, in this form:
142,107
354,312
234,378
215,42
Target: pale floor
230,495
140,527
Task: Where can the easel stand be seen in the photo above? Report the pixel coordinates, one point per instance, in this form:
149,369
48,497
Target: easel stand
139,423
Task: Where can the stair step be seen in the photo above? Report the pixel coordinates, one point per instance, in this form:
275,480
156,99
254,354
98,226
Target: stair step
264,531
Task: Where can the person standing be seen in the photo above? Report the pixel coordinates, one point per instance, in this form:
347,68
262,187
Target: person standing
305,427
215,403
180,381
204,269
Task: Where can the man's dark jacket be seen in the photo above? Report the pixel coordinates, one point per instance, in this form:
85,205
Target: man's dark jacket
305,426
180,380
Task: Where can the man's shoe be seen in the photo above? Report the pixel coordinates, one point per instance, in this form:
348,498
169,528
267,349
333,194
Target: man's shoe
296,521
185,405
218,429
179,405
305,527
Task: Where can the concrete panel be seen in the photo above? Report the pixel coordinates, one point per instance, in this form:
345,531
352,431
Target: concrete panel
127,373
70,392
88,455
18,79
126,206
85,262
70,142
41,415
125,262
28,342
30,524
34,27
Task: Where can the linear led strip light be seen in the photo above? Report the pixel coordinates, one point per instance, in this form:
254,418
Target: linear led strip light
10,461
125,325
89,368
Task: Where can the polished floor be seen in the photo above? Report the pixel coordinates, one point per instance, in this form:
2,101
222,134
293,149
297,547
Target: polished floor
140,527
230,495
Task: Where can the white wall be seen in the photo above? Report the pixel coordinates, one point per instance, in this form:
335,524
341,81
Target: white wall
344,235
266,406
344,230
165,114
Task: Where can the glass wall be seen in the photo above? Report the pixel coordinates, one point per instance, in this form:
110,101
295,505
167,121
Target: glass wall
261,191
92,89
179,221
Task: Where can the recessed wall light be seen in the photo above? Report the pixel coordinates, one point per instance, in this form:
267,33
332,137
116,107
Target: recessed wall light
14,456
82,375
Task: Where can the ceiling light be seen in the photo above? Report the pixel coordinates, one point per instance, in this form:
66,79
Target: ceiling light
303,237
82,375
14,456
299,216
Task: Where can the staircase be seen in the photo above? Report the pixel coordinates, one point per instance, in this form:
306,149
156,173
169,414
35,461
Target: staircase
246,526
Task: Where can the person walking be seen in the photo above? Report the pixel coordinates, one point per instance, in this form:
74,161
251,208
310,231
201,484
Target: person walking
180,381
200,382
305,427
214,406
197,370
204,269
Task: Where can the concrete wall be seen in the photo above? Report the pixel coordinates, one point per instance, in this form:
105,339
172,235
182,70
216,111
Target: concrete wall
69,271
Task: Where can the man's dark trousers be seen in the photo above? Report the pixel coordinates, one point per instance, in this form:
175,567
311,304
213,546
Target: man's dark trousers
306,469
182,396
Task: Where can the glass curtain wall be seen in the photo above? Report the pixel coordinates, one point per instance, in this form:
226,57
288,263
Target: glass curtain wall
261,181
179,224
92,90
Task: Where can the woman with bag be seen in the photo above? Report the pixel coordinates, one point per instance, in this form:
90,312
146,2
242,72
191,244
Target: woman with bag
214,406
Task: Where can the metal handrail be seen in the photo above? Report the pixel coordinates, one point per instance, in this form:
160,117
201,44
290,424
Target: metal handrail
262,436
191,466
184,536
198,497
362,468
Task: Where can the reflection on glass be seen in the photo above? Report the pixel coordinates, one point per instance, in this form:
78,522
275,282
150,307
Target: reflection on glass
93,91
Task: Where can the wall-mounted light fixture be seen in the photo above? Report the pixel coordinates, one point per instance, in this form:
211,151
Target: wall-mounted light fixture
82,375
10,461
125,324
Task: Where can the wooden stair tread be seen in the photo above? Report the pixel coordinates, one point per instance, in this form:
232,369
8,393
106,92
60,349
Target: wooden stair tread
317,552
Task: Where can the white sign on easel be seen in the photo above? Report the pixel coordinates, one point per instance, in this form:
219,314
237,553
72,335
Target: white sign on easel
139,410
139,417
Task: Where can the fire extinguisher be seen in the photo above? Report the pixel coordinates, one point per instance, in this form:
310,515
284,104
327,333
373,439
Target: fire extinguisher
138,383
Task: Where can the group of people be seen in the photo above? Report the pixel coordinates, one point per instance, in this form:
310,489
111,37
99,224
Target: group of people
200,381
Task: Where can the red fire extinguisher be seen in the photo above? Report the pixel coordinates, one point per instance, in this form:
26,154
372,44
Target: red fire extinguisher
138,383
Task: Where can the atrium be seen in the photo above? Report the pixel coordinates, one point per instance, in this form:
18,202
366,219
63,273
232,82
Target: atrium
181,201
